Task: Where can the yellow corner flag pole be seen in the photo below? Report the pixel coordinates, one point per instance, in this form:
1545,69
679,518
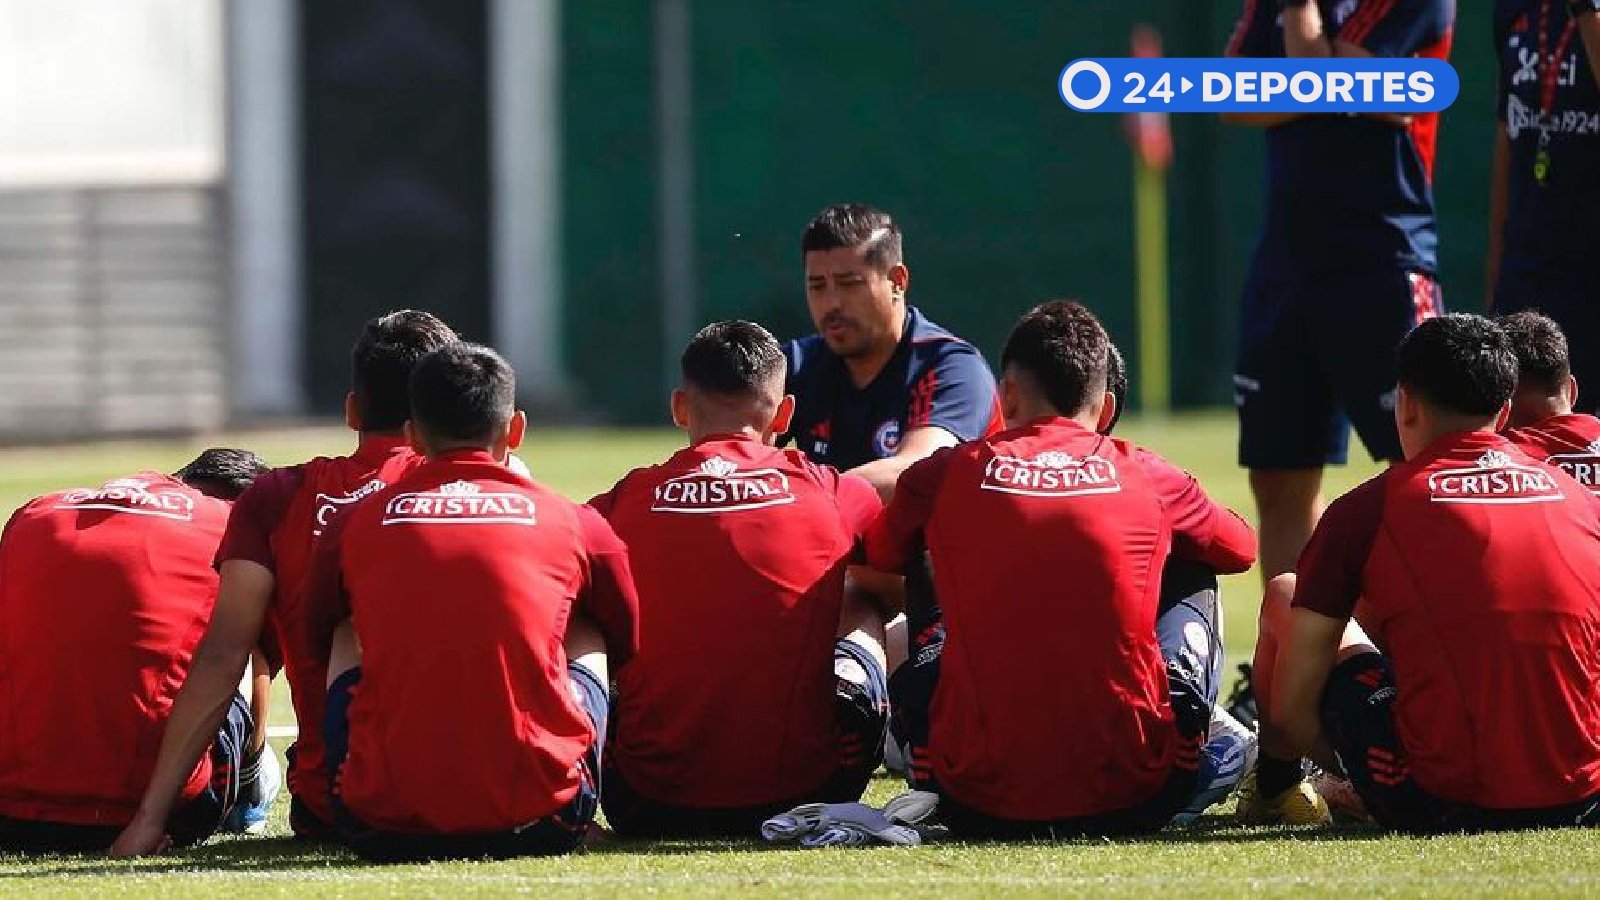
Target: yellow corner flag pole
1150,285
1151,138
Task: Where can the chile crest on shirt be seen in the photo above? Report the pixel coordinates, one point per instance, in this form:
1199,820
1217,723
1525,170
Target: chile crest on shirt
459,503
1494,478
1051,474
131,495
719,486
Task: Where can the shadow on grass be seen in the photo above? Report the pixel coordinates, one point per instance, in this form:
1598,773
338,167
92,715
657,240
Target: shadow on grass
235,855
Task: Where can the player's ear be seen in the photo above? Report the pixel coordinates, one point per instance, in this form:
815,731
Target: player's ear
516,430
1108,413
784,417
1010,400
1570,390
352,412
1503,417
414,437
900,277
680,408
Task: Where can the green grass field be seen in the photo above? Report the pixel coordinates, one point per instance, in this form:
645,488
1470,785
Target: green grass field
1215,859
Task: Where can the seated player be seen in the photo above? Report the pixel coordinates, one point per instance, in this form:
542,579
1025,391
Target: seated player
1477,569
1542,419
1054,713
742,703
104,593
475,595
264,560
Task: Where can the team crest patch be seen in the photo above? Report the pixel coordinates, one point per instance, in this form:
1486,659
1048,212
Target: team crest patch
328,505
886,439
1495,478
459,503
131,495
719,486
1051,474
1584,467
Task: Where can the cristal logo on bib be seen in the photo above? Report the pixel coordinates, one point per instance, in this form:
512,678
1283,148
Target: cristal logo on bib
1051,474
329,504
459,503
719,486
1584,467
1495,478
130,495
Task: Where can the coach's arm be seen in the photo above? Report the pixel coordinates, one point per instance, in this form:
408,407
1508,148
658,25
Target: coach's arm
219,662
917,445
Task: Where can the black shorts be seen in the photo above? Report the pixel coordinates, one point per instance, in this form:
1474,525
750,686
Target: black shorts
559,833
1573,301
862,712
190,823
1358,717
1317,356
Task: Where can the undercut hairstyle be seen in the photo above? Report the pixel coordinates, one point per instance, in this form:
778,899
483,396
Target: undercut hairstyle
382,359
1459,363
462,394
222,472
1544,362
733,359
855,225
1064,349
1117,384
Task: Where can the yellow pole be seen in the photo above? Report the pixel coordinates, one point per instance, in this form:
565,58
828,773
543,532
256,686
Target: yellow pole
1150,285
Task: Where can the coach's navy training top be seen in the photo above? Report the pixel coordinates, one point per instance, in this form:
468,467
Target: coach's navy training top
1554,198
1344,191
933,379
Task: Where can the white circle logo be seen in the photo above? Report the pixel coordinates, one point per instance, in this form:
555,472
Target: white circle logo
887,438
1071,97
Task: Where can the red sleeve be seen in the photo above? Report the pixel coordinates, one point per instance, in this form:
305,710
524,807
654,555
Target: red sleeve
1203,530
256,515
608,595
895,538
326,602
1328,576
859,504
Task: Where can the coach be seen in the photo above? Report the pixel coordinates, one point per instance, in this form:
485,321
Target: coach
879,386
1545,188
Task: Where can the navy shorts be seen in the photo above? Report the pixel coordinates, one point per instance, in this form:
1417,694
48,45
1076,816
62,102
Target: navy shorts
1358,717
862,711
559,833
190,823
1317,356
1575,306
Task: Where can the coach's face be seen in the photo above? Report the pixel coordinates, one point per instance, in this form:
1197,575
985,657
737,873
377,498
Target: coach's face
857,306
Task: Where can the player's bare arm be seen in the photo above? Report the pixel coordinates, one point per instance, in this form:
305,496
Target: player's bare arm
917,445
1588,18
1293,727
197,711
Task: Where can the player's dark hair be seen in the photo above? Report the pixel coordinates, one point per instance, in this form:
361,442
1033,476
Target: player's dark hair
1460,362
462,393
855,225
382,359
1064,349
222,472
1117,384
732,358
1543,360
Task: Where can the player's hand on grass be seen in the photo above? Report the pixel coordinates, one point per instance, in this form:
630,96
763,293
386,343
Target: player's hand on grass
142,838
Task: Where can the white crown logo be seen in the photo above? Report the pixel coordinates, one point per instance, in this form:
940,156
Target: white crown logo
126,484
1054,459
1494,459
458,489
718,467
1593,448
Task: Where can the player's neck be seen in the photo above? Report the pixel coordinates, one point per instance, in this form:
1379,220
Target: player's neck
701,433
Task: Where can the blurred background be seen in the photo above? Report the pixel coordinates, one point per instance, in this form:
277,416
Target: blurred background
200,200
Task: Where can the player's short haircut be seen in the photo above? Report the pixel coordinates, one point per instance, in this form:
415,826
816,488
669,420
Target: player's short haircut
1461,363
222,472
1116,383
462,393
855,225
733,359
381,363
1543,361
1064,349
